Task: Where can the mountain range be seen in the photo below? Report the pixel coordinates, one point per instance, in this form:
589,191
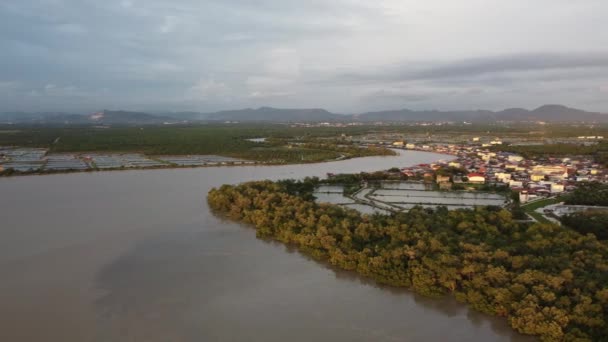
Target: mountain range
547,113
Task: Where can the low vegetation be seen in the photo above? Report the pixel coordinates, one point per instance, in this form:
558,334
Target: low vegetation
285,145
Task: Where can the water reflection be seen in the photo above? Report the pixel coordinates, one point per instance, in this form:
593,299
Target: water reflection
195,286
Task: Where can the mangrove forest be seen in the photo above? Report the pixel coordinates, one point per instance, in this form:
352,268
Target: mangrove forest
547,280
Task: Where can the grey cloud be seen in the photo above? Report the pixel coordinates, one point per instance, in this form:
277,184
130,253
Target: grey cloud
515,63
476,67
345,55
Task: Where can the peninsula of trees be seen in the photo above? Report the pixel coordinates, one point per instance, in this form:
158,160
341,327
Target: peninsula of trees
546,280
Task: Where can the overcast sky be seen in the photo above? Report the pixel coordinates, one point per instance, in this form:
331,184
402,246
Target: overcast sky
342,55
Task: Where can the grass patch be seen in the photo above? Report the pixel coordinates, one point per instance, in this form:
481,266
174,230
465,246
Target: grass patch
541,203
531,208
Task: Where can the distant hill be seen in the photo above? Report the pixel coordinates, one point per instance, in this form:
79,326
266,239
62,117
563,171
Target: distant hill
183,116
405,115
548,113
127,118
106,117
274,115
40,118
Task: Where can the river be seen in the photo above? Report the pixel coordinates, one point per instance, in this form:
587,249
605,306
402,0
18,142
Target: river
137,256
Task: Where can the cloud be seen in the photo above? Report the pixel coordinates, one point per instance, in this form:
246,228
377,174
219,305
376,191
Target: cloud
514,63
268,95
126,3
208,88
237,37
72,29
283,62
64,91
8,85
481,66
169,24
344,55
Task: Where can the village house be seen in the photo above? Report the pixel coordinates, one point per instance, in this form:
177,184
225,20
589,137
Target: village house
537,177
443,179
557,188
524,196
514,158
486,157
477,178
516,184
503,177
549,169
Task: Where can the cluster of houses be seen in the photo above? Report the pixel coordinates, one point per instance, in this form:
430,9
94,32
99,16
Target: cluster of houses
530,178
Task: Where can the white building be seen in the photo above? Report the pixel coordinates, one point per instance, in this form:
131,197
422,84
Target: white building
537,177
524,197
503,177
516,184
515,158
557,188
549,169
476,178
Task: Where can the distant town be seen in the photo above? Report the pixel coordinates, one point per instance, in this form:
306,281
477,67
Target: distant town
537,183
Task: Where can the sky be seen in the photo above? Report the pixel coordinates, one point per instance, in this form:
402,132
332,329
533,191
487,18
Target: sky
347,56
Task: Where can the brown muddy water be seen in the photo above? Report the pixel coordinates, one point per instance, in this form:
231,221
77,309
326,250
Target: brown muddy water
137,256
